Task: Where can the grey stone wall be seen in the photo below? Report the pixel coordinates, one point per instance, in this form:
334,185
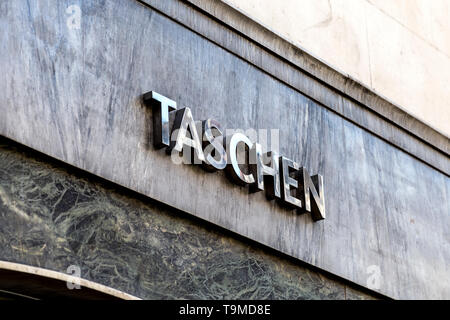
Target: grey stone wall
75,94
53,216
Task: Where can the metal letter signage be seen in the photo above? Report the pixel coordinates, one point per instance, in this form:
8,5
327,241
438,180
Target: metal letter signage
203,143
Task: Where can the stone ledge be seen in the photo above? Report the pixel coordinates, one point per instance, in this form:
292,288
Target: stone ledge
237,33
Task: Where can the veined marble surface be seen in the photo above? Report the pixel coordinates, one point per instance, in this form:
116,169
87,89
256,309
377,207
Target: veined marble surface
52,216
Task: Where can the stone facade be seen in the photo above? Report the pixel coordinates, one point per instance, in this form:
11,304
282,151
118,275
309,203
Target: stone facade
53,216
398,48
75,93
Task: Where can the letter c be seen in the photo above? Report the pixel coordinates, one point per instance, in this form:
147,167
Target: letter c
233,169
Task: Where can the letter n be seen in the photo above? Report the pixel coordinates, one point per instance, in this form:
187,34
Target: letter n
312,187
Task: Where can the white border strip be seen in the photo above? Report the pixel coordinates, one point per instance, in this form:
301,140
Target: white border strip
65,277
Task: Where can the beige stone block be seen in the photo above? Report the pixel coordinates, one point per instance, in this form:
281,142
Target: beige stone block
409,71
428,19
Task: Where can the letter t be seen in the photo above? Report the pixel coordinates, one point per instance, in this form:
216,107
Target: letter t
161,106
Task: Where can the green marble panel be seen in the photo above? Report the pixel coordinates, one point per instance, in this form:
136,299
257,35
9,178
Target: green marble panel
53,216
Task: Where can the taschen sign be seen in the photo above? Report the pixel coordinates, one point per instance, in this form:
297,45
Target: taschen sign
280,177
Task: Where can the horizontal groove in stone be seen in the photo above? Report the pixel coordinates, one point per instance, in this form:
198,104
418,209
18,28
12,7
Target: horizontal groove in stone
235,32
